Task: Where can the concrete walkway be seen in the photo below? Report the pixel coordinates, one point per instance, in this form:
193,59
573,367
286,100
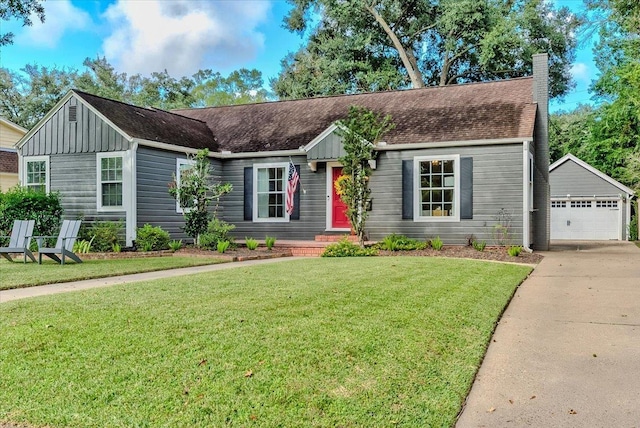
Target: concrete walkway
43,290
567,350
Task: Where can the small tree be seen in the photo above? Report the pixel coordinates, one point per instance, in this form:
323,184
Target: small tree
195,194
360,132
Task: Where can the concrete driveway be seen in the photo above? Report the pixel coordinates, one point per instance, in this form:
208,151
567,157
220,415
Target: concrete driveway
566,352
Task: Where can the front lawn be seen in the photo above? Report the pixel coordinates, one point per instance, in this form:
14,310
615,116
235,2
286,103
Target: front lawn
316,342
18,274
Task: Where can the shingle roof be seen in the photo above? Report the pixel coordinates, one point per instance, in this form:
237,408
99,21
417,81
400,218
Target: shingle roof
492,110
153,124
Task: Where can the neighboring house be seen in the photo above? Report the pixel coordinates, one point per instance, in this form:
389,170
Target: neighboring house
457,156
10,133
587,204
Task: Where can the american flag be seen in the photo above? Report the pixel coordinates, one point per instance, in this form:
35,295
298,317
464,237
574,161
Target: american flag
292,184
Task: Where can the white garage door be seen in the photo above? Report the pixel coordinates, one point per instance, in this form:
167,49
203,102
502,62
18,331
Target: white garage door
585,219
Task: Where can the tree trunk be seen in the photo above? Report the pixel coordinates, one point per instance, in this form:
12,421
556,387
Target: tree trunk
408,59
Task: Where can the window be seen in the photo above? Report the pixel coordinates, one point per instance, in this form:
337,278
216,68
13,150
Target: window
270,184
606,204
437,184
580,204
558,204
110,181
182,166
36,173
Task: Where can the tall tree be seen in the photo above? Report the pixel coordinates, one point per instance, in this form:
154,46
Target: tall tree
21,10
425,42
240,87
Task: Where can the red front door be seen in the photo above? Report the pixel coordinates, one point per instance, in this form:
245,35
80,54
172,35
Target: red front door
338,208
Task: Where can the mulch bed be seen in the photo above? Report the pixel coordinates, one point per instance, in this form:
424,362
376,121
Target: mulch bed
236,255
498,254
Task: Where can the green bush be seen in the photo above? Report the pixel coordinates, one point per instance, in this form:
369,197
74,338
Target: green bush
270,241
251,243
437,243
105,234
82,246
217,230
21,203
175,245
479,245
223,246
150,238
344,248
514,250
633,228
395,242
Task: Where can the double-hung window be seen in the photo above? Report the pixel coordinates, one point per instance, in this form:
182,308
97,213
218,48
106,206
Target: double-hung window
270,184
183,166
437,188
110,181
36,173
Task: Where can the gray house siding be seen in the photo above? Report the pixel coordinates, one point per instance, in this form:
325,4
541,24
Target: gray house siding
312,203
155,170
88,134
497,183
572,179
330,147
74,176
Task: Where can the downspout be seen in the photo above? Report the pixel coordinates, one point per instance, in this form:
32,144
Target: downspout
526,227
132,214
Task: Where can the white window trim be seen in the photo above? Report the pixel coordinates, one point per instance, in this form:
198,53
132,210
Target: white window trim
257,166
47,179
179,163
416,189
126,173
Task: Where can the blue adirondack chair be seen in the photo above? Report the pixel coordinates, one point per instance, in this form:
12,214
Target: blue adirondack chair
64,244
19,240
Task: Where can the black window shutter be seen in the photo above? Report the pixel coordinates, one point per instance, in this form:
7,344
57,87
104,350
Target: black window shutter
466,188
407,189
295,215
248,193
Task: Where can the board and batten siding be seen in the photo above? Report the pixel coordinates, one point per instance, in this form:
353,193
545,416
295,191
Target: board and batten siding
155,170
572,179
312,203
330,147
88,134
497,184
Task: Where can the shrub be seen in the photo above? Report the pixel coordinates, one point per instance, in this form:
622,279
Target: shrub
105,234
479,245
116,248
514,250
251,243
151,238
175,245
395,242
21,203
344,248
633,228
217,230
82,246
269,241
436,243
223,246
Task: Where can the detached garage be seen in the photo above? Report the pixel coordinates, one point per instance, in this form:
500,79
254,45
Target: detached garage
587,204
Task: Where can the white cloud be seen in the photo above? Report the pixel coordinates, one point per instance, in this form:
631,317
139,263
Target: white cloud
183,36
581,73
60,17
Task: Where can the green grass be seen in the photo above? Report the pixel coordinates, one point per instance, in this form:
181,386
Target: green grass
18,274
317,342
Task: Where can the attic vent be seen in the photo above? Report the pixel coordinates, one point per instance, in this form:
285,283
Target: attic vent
73,113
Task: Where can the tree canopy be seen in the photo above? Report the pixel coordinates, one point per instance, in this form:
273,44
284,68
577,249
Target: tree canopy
22,10
367,45
26,96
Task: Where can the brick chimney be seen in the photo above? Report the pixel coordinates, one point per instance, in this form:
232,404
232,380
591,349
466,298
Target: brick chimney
541,191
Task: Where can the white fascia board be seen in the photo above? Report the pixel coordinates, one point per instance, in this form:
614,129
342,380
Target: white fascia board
275,153
57,107
170,147
434,145
218,155
591,169
324,134
13,126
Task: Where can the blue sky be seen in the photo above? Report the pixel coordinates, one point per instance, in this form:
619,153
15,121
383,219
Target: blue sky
184,36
